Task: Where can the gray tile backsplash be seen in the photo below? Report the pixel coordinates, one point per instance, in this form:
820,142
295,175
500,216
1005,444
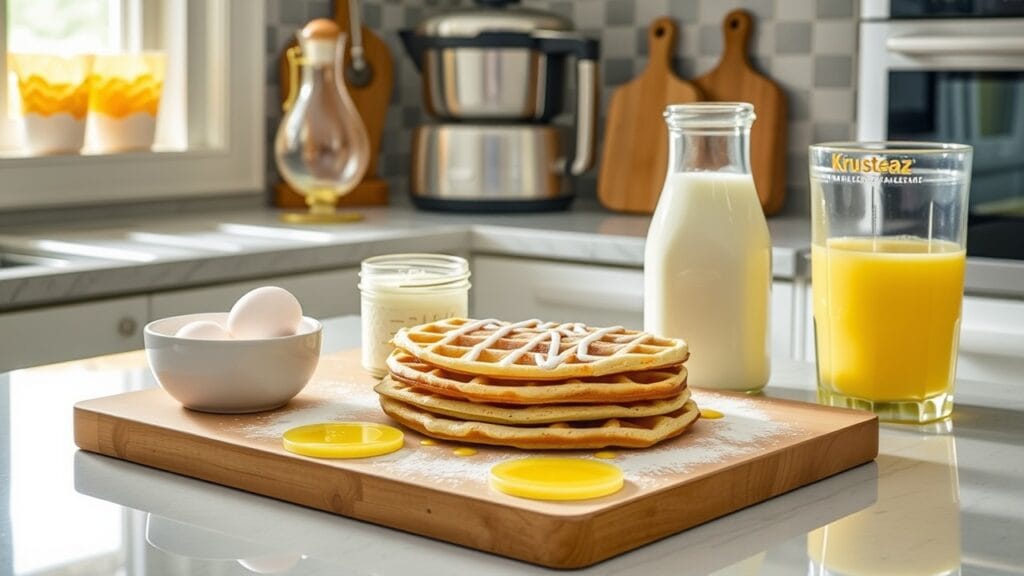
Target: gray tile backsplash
793,38
833,71
808,46
835,9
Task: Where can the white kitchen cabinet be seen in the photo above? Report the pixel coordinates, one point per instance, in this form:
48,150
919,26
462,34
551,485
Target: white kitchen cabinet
322,295
782,319
516,289
991,339
70,332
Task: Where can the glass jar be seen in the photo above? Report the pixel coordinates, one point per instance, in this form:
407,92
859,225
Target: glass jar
707,261
401,290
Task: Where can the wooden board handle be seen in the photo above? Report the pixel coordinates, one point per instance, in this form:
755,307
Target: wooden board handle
736,29
661,42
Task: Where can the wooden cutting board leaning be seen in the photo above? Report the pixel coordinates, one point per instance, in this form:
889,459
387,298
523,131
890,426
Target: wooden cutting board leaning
735,80
758,449
634,155
635,150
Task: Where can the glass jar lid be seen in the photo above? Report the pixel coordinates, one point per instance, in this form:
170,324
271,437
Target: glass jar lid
414,272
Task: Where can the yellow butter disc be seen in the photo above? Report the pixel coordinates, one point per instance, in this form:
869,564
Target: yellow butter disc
556,478
710,414
343,440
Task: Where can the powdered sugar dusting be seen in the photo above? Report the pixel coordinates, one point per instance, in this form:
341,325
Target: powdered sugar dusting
744,429
437,465
335,401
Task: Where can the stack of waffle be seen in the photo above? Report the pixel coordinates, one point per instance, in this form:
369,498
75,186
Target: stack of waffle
538,385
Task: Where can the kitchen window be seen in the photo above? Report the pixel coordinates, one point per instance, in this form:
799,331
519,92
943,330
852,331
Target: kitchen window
209,129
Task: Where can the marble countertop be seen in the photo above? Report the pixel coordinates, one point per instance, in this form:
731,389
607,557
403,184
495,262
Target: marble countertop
117,257
943,499
108,257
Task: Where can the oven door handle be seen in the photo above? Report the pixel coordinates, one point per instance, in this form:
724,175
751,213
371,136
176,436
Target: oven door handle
964,45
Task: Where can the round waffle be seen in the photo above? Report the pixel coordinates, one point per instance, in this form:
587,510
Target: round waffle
517,414
537,350
618,388
625,432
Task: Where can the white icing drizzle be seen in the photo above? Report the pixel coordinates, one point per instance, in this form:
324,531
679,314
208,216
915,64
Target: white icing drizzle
518,353
549,331
466,329
581,348
553,355
475,351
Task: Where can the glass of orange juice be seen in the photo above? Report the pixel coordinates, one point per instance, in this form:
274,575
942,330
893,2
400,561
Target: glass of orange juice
888,227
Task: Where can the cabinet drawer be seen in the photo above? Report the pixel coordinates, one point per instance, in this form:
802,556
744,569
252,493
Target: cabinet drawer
513,289
322,295
61,333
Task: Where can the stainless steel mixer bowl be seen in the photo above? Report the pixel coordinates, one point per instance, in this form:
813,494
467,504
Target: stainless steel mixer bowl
485,63
469,83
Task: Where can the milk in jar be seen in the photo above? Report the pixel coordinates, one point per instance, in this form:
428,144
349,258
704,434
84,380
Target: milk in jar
403,290
707,261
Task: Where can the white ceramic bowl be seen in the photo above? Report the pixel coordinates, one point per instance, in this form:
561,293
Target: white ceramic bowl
231,376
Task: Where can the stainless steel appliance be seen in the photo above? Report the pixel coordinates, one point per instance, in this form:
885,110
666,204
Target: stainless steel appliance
953,71
494,80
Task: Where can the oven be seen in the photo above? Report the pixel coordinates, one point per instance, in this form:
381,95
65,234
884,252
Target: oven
953,71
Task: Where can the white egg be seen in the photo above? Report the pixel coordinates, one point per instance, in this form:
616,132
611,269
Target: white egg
203,330
266,312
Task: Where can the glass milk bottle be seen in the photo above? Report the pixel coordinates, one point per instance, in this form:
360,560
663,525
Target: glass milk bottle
707,264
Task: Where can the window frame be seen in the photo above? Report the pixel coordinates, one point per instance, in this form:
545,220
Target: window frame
225,90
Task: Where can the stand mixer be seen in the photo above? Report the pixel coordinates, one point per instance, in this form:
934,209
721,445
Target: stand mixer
494,77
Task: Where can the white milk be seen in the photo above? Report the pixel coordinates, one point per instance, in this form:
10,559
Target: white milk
402,290
707,277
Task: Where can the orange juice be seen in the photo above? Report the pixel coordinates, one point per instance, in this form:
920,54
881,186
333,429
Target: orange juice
887,316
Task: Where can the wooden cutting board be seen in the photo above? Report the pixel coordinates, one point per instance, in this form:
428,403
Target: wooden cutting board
760,448
634,155
735,80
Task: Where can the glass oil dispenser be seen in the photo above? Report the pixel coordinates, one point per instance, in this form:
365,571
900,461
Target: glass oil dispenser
321,149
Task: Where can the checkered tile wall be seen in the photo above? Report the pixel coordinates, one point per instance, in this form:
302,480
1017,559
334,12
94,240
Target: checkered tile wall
808,46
